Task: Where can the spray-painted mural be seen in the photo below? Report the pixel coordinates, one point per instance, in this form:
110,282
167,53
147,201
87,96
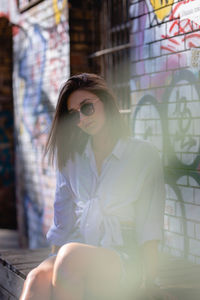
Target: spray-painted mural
162,9
41,65
165,99
166,111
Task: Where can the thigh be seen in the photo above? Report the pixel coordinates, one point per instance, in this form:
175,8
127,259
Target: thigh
104,272
47,264
100,267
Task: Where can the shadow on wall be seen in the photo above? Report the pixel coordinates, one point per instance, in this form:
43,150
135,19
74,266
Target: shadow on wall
7,180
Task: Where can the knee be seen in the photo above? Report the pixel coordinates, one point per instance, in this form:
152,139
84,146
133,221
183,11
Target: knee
36,278
68,253
69,248
69,261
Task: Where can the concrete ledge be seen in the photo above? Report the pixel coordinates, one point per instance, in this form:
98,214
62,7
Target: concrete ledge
177,276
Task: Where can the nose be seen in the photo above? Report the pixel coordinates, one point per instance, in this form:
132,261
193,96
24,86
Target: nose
81,117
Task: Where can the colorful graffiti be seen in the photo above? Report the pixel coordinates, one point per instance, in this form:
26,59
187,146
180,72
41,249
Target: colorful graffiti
167,112
41,64
180,32
58,7
32,76
162,8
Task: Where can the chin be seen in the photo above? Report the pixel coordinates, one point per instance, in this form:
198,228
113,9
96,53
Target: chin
93,130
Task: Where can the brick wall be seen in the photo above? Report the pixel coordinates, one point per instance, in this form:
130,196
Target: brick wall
84,33
7,194
165,97
41,64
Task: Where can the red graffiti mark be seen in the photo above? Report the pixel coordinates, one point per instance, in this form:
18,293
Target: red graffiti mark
172,16
175,9
15,30
191,45
176,34
174,41
187,1
192,35
168,49
16,27
176,23
188,25
2,14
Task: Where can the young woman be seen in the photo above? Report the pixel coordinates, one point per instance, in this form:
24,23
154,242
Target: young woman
109,202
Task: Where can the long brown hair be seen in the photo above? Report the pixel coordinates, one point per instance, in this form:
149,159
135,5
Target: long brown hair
64,137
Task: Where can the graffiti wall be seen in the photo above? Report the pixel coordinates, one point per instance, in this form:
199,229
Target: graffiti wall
165,95
41,64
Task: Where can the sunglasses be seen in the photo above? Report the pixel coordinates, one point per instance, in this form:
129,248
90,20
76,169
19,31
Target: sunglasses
86,109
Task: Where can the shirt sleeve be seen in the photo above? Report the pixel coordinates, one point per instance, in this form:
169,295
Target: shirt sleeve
149,208
64,214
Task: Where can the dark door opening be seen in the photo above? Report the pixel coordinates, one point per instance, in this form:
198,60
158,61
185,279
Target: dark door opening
7,178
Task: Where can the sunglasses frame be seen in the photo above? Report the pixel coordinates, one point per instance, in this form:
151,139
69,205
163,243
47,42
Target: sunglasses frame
75,113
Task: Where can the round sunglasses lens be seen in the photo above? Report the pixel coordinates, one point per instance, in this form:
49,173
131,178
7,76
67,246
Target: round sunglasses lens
87,109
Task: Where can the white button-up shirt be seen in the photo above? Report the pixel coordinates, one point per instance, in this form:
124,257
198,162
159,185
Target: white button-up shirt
92,208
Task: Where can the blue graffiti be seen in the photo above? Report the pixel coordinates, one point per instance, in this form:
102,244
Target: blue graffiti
37,111
33,76
34,221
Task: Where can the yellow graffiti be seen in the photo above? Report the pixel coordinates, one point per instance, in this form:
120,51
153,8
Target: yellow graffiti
58,10
162,8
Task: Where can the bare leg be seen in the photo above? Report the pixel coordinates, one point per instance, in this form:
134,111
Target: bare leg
38,282
81,268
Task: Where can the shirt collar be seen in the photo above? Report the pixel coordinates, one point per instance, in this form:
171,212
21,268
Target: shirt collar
88,148
117,150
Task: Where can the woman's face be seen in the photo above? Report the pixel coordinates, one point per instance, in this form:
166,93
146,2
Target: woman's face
93,123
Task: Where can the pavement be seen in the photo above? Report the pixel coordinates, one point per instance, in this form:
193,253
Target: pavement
8,239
